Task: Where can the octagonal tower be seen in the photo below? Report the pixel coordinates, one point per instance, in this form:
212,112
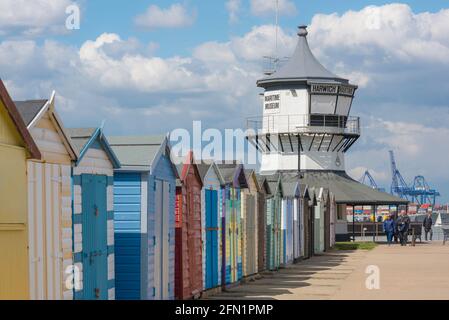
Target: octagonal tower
305,123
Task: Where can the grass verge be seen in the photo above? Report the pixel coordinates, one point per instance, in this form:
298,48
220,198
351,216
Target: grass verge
355,245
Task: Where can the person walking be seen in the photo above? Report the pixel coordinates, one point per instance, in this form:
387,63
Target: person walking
403,224
427,224
389,229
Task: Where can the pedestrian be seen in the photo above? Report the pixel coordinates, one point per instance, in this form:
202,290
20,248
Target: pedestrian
403,224
427,224
389,229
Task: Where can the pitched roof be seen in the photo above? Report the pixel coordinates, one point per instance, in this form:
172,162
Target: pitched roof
301,67
18,122
82,138
32,110
29,109
203,168
228,171
347,190
290,185
137,152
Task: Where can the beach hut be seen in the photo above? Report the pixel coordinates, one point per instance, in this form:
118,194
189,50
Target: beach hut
303,203
188,252
263,194
320,220
273,224
49,202
93,214
249,223
16,146
144,218
309,219
333,219
235,180
211,222
290,225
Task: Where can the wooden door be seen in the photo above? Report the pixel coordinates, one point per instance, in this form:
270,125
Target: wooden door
95,273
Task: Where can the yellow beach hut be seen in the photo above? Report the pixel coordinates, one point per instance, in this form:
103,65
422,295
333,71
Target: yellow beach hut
16,145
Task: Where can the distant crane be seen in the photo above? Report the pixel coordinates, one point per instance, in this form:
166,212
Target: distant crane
398,185
422,193
419,192
368,179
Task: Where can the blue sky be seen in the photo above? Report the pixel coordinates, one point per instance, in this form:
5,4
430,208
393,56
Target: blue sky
212,21
148,67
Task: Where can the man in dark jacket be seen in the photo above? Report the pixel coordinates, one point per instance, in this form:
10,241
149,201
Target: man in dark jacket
427,224
403,225
389,229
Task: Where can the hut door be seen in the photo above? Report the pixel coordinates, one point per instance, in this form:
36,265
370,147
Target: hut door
162,241
211,238
250,235
95,250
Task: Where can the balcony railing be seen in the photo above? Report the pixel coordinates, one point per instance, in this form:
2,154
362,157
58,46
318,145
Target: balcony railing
304,123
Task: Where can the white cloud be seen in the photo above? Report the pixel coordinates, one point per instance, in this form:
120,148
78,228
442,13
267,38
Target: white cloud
268,7
33,17
176,16
385,32
233,7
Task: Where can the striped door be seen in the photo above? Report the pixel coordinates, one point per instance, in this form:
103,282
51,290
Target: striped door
95,269
211,238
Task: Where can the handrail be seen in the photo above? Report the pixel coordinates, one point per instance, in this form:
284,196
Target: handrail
304,123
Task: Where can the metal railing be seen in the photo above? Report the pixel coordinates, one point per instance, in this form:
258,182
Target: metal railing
304,123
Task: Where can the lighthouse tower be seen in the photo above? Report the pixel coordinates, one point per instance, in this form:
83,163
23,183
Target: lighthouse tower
305,123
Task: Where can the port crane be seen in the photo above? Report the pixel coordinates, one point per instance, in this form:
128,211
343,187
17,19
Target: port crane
418,192
368,180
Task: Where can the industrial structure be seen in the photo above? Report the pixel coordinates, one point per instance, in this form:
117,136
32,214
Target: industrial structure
418,192
368,179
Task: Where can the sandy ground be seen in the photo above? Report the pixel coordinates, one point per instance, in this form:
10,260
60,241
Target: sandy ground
420,272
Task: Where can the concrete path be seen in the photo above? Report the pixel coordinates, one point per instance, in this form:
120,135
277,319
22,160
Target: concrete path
316,278
420,272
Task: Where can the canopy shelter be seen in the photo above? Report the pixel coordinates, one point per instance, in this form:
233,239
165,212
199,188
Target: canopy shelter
347,191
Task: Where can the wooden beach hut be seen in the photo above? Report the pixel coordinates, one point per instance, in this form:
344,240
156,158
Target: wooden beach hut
273,224
309,222
144,218
249,223
235,180
188,252
333,219
211,221
303,203
263,194
93,218
320,220
290,217
16,146
49,202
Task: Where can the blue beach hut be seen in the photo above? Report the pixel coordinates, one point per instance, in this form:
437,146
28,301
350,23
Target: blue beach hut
93,213
144,200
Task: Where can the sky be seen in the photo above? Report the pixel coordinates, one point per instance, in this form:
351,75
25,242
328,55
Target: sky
148,67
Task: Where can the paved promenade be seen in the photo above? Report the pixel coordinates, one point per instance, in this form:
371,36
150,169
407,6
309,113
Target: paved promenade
420,272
